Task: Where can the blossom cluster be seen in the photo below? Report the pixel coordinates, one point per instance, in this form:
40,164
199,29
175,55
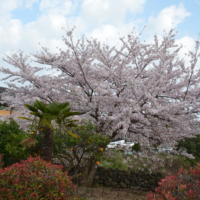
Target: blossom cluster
143,92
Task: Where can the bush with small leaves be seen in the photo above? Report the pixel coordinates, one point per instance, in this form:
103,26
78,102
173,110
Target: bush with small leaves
113,159
185,185
10,137
158,162
192,146
35,179
82,151
79,155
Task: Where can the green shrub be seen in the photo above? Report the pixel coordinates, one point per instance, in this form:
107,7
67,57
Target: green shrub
114,159
192,146
10,137
160,162
77,152
136,147
35,179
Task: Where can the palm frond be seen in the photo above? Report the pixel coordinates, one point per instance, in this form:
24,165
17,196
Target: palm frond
53,109
65,110
37,114
40,105
31,108
72,134
25,118
71,124
47,123
63,105
68,114
28,142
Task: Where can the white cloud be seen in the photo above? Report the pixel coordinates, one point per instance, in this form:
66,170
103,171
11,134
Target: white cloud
187,42
188,45
10,33
96,12
110,34
7,6
29,3
57,7
165,19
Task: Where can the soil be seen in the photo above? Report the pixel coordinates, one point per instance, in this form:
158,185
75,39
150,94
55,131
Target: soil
108,193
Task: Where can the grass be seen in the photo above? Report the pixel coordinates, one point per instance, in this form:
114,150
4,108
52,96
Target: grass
2,108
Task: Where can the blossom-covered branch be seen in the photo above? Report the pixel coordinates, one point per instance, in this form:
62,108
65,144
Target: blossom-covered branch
142,92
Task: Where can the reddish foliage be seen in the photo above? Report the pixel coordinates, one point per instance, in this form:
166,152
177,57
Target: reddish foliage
35,179
185,185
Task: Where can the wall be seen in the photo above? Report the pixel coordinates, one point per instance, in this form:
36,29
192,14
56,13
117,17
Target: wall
126,179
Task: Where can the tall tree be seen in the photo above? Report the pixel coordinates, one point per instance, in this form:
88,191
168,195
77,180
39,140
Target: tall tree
142,92
47,114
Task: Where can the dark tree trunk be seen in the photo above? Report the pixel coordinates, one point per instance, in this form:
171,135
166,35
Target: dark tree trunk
47,149
89,172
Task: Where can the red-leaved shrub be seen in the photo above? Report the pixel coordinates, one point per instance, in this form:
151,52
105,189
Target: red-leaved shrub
35,179
186,185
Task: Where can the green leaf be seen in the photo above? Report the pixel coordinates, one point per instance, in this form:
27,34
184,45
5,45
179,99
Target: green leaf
72,134
64,105
36,114
65,110
65,115
31,108
71,124
53,109
28,142
24,118
47,124
40,105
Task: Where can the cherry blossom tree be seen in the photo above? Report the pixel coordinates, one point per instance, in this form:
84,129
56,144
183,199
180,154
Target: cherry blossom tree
142,92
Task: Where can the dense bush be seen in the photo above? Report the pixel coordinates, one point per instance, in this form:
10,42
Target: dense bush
166,162
10,137
4,104
35,179
185,185
159,162
114,159
192,146
82,151
136,147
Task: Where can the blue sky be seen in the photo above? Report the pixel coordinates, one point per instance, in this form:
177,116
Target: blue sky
25,23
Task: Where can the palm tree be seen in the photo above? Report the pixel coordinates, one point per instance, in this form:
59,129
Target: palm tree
48,113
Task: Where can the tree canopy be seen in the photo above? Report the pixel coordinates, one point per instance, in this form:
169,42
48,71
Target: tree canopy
142,92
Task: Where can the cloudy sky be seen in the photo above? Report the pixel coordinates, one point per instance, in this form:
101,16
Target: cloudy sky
26,23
